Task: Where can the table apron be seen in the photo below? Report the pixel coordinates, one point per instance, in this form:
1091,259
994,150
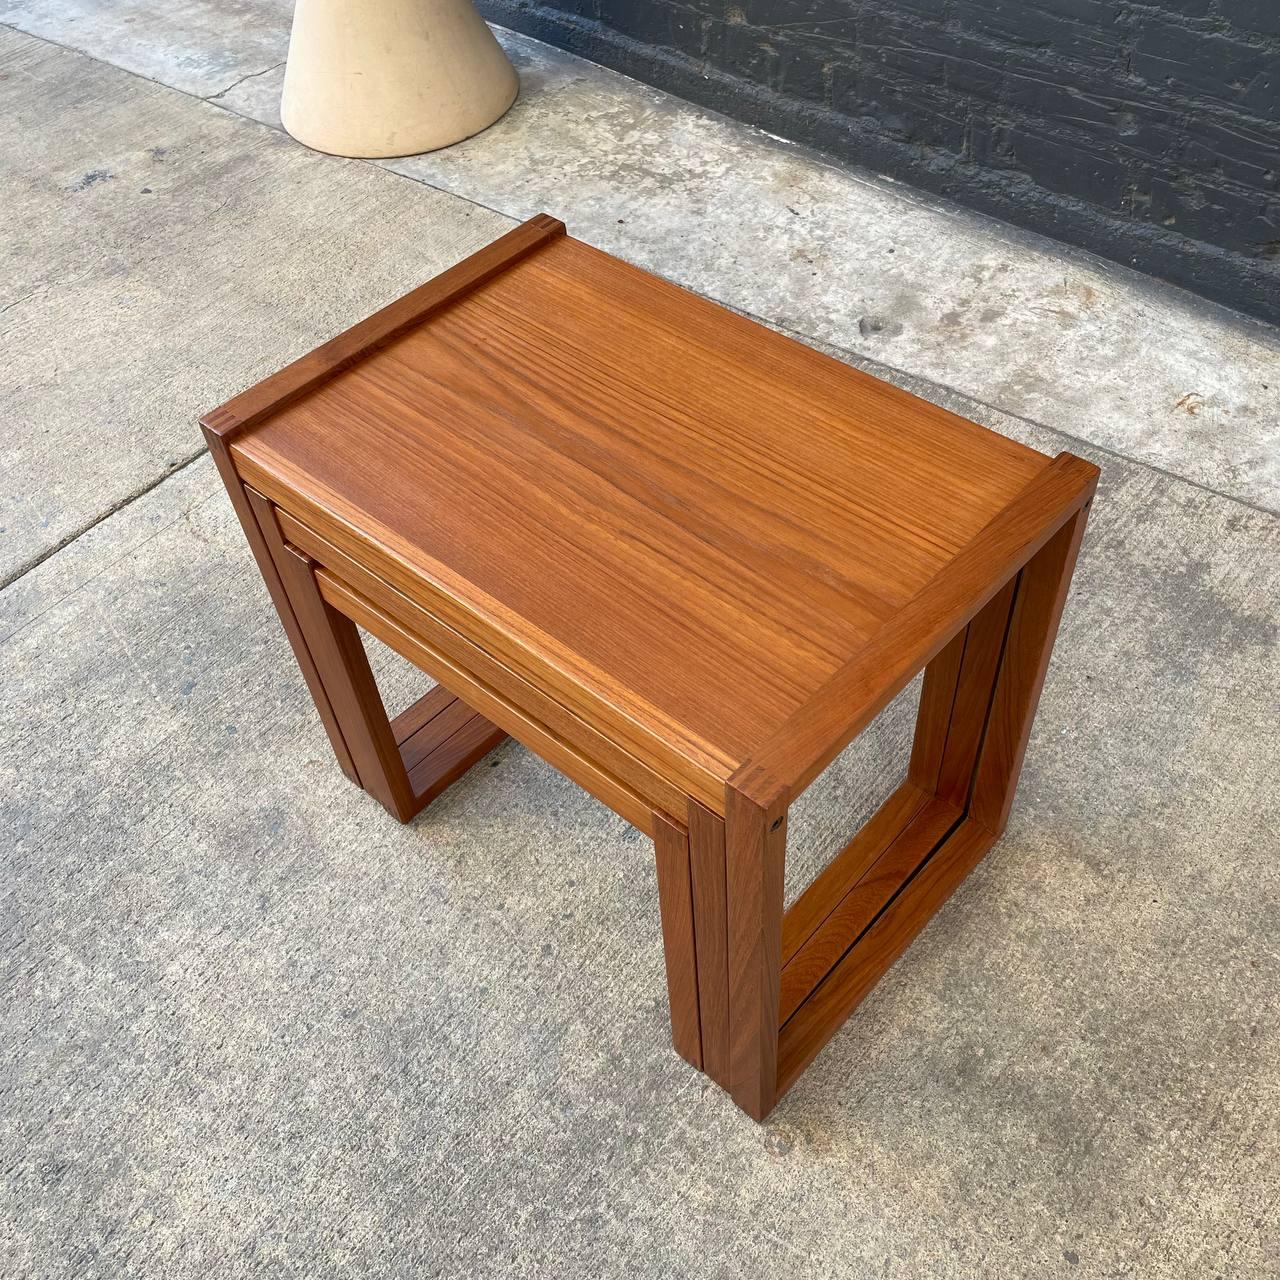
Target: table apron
492,705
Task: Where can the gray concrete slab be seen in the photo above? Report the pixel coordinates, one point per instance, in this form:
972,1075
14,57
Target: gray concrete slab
852,259
198,46
838,256
161,254
252,1025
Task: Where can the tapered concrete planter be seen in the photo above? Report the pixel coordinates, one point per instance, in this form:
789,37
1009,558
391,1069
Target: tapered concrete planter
392,77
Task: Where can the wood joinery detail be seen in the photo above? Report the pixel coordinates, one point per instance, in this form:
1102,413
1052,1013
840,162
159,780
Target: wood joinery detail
374,332
754,992
707,867
675,906
439,738
755,845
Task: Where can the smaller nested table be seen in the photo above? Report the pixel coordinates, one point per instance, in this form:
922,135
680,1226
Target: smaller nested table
686,560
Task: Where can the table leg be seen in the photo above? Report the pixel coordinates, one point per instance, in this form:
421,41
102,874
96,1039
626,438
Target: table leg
239,496
404,763
710,921
1033,629
789,991
755,851
335,647
675,903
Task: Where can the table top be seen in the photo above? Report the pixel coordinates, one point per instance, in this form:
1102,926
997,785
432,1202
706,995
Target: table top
689,521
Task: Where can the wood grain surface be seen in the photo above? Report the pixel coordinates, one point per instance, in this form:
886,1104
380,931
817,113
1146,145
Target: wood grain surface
825,1011
686,560
354,344
710,918
461,654
586,771
983,649
848,867
263,554
440,738
850,914
672,520
755,841
1033,628
814,735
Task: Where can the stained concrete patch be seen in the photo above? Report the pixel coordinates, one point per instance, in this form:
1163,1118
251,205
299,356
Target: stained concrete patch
199,46
161,254
848,258
253,1024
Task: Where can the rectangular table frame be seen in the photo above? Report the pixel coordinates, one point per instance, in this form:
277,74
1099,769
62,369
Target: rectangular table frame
754,991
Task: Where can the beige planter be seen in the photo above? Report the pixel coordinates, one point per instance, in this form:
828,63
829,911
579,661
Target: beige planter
392,77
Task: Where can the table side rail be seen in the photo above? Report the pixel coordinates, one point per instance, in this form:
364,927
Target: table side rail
489,703
345,548
512,687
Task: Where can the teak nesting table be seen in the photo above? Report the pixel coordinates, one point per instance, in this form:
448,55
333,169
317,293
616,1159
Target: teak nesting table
686,560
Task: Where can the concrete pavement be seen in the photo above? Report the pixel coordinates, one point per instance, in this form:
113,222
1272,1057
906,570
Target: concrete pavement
253,1026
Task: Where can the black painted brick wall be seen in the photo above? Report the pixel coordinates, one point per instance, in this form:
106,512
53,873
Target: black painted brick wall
1149,132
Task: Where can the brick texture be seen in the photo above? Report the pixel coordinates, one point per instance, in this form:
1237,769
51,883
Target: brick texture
1147,131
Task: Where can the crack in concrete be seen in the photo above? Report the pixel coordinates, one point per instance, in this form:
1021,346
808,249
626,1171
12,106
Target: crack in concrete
26,297
252,75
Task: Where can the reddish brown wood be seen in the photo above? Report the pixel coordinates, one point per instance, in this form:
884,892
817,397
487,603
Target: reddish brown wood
984,645
378,330
432,744
574,424
996,683
706,853
675,905
849,916
1042,596
686,560
418,740
440,738
587,772
826,1010
340,658
813,736
417,715
458,654
848,867
279,597
933,718
755,845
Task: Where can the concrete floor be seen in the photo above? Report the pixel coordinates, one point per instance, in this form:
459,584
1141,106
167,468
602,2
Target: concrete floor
253,1026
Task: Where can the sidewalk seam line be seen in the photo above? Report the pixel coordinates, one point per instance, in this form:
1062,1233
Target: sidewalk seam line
36,561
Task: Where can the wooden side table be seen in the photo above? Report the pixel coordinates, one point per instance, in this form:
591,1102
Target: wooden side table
686,560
